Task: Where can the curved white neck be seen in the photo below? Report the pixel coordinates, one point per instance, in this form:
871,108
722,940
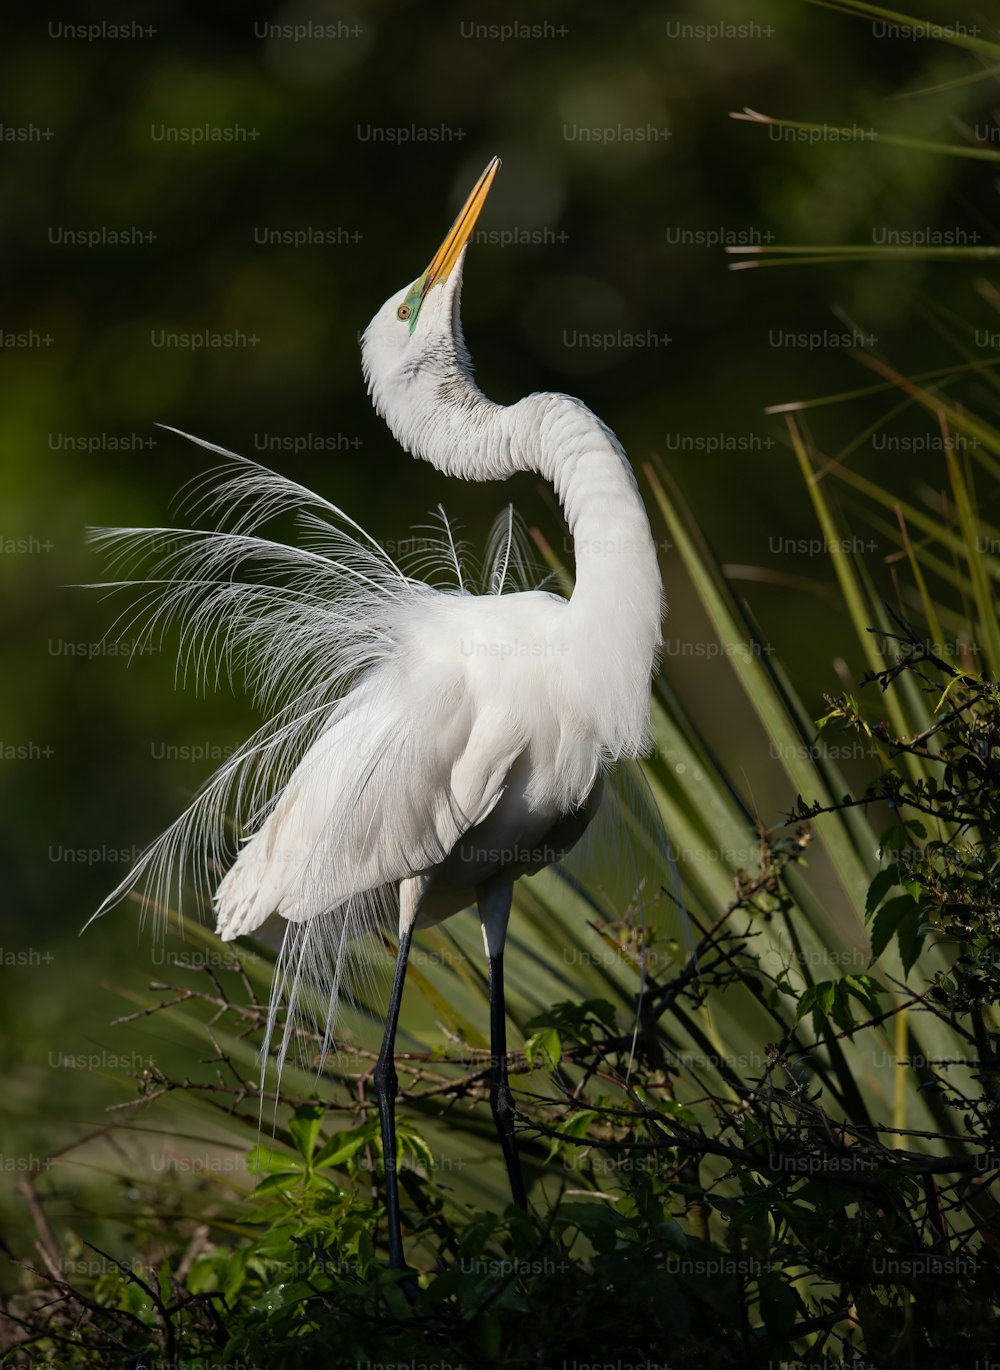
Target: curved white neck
617,605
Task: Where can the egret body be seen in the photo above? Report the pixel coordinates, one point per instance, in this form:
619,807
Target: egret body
436,744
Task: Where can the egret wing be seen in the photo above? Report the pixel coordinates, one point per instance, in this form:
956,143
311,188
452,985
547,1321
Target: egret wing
404,768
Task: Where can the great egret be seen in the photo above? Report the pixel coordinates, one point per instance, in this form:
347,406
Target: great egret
426,747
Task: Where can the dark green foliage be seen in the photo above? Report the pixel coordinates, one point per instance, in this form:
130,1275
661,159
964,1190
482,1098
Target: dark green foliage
747,1226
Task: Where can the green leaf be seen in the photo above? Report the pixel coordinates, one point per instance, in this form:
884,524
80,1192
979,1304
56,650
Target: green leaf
779,1305
598,1222
888,921
577,1126
281,1296
572,1130
544,1046
304,1125
412,1144
278,1181
234,1274
342,1146
880,887
840,1009
911,940
817,999
266,1159
865,988
203,1276
860,987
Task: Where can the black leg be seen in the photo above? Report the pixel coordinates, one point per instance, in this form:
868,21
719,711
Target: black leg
494,898
501,1101
386,1083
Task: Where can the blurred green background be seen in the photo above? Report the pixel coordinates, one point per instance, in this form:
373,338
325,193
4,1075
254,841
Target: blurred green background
274,176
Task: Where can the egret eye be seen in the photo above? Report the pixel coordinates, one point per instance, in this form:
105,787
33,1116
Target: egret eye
403,312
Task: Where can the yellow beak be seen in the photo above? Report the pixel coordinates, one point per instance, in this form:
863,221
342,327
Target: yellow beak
448,253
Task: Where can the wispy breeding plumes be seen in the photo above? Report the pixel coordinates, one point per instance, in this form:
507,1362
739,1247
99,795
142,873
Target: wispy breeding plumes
300,625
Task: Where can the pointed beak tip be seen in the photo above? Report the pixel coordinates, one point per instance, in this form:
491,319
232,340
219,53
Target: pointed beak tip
451,250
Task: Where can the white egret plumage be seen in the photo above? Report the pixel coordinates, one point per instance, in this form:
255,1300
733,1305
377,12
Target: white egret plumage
425,747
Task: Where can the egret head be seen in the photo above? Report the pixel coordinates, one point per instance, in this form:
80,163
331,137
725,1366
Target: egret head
414,344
